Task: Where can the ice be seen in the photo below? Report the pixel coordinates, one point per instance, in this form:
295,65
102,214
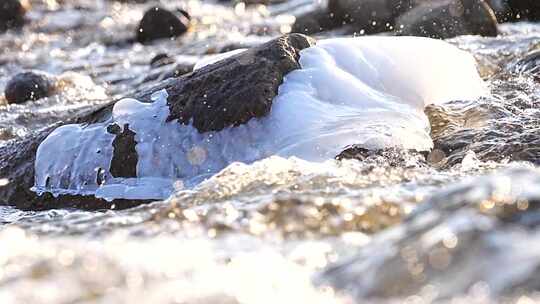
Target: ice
369,91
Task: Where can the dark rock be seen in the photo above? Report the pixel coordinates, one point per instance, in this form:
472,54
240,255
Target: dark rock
314,22
399,7
169,71
161,59
448,18
361,16
502,10
158,23
232,91
245,84
11,14
498,129
525,9
125,158
369,16
29,86
179,70
184,12
516,10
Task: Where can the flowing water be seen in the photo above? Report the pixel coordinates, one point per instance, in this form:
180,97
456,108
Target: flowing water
459,225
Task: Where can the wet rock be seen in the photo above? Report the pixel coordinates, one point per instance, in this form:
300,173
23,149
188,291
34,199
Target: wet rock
489,219
525,9
502,10
168,71
399,7
158,23
314,22
125,158
529,65
448,18
161,59
455,239
498,129
516,10
232,91
361,16
11,14
29,86
244,84
393,157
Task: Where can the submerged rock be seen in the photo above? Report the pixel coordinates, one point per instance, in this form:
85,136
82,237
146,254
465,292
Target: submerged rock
158,23
457,238
529,64
12,14
448,18
498,129
29,86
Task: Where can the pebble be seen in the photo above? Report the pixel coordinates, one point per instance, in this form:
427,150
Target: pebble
27,86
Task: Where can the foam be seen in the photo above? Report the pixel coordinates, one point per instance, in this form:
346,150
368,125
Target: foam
369,91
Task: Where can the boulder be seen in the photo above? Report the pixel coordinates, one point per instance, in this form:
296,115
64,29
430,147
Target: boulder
232,91
361,16
448,18
370,16
12,14
28,86
245,84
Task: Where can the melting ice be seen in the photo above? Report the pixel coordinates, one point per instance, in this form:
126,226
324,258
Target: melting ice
369,91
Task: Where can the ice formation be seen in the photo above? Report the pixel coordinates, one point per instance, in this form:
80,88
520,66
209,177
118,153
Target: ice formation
369,91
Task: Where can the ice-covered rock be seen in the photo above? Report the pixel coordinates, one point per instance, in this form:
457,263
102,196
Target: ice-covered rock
349,91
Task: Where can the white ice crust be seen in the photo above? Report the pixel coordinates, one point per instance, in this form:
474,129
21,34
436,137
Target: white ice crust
369,91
